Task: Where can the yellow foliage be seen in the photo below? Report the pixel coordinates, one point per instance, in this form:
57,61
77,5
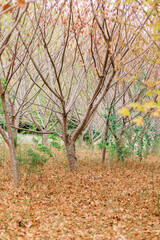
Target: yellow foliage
137,105
156,92
121,80
132,79
133,105
124,111
149,93
149,105
158,99
139,121
156,113
140,108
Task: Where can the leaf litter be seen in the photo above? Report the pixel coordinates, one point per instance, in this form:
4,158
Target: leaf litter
116,202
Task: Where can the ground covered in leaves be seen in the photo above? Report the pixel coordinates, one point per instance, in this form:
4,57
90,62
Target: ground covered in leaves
114,202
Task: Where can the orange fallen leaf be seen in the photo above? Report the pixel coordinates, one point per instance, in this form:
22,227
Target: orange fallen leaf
21,3
6,8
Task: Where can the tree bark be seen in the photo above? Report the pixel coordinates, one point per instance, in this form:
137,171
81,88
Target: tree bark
119,149
71,154
15,122
90,136
44,139
105,140
81,139
15,136
14,162
10,137
103,154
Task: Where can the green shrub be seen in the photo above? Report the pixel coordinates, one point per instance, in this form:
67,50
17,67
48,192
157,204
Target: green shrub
54,142
156,146
126,141
32,160
44,149
15,141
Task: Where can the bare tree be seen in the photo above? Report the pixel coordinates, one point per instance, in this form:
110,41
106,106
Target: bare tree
76,51
76,58
8,54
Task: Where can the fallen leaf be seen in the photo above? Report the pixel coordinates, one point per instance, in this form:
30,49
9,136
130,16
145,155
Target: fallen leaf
21,3
7,8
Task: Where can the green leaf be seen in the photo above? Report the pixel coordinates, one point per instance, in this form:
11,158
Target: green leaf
149,93
3,82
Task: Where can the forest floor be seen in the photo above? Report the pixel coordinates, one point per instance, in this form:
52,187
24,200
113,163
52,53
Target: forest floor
119,201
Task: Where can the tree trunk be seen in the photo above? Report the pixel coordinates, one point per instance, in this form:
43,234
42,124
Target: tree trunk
90,137
44,139
10,137
14,162
81,139
103,154
119,150
15,123
15,136
71,154
104,141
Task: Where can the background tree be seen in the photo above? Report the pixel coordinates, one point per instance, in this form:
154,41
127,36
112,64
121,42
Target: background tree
9,53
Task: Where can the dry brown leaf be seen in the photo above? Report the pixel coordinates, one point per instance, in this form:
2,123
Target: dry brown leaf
21,3
6,8
94,203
